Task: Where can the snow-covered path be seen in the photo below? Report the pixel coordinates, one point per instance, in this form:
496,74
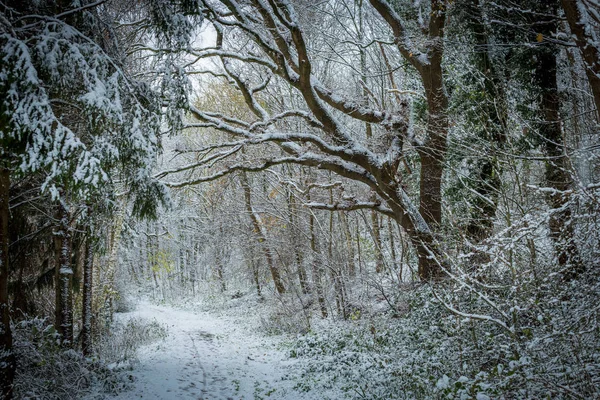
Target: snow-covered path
205,357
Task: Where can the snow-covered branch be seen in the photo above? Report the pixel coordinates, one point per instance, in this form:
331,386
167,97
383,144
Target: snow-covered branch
479,317
352,206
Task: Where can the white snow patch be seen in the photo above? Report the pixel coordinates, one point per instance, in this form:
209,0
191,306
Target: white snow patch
205,357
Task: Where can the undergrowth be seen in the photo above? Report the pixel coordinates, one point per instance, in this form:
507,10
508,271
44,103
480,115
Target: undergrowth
46,370
549,349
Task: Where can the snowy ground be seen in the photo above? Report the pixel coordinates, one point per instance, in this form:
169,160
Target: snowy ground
207,357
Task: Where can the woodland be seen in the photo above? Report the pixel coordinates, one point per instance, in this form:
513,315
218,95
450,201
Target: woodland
406,193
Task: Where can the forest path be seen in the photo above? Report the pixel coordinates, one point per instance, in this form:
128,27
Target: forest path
206,357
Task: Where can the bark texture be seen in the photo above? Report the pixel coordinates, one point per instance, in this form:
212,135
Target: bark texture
86,312
7,359
433,150
557,170
580,25
63,278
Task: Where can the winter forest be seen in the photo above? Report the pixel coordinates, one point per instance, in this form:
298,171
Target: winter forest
300,199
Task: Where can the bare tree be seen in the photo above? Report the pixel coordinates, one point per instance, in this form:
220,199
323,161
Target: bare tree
277,52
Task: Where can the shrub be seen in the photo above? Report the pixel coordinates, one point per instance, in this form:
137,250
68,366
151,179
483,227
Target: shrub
45,370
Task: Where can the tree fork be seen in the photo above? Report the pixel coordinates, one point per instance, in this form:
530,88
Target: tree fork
433,151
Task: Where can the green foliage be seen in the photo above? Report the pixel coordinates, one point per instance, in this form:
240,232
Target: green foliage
162,261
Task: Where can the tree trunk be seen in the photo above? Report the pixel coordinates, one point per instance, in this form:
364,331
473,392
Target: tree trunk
340,292
7,358
432,154
219,259
316,267
376,225
590,50
335,268
316,263
349,244
255,276
557,166
492,121
295,232
113,252
392,245
219,268
64,279
152,253
422,228
86,312
260,235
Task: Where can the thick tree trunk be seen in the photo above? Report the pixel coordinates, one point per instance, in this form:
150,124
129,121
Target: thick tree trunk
557,166
432,154
86,312
260,235
422,228
590,50
7,358
63,321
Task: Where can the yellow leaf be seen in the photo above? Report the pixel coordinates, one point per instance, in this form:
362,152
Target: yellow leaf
540,37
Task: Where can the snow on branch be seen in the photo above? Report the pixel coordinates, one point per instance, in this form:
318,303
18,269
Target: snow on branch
308,159
473,316
359,155
401,37
286,114
207,53
75,112
80,9
204,162
352,206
